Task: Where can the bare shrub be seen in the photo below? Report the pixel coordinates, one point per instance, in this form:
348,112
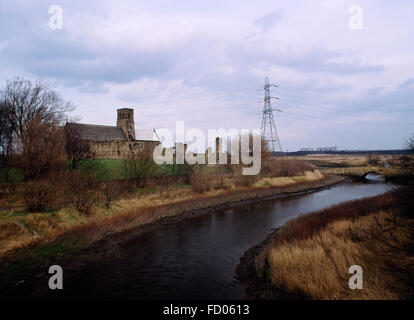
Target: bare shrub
275,167
140,166
265,151
10,229
405,161
45,194
77,150
217,178
111,191
409,143
241,180
83,190
200,180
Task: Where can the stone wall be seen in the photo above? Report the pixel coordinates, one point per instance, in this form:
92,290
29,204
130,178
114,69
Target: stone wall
120,149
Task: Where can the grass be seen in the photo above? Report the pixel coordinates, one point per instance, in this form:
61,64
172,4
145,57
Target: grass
316,268
354,164
309,258
309,176
34,241
105,166
117,167
50,224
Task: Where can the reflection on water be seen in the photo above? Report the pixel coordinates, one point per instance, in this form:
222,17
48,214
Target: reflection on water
375,177
197,258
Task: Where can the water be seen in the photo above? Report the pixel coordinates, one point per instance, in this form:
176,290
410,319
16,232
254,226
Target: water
374,177
197,258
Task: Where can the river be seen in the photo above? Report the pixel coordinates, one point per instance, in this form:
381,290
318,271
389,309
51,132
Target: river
197,258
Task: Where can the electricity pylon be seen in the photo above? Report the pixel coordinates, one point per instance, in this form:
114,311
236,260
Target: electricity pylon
269,131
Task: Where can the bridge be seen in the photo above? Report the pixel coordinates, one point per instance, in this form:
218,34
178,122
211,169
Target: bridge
359,173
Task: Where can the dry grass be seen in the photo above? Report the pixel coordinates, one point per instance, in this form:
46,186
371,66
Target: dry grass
125,212
311,257
356,164
354,160
285,167
317,268
309,176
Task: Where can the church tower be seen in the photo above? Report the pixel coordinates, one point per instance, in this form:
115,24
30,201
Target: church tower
126,122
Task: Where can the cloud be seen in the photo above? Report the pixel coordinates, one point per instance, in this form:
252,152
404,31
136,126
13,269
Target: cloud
375,91
268,21
138,53
407,83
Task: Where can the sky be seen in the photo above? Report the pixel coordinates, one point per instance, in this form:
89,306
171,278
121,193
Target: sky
345,75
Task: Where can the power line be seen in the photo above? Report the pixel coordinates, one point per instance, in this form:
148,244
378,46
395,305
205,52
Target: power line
322,100
179,102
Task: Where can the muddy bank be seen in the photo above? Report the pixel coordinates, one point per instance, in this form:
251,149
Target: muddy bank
257,288
72,251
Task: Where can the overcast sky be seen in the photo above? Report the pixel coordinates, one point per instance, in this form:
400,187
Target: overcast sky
203,62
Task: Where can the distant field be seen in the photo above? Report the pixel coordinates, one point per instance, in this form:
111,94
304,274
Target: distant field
106,166
116,168
355,164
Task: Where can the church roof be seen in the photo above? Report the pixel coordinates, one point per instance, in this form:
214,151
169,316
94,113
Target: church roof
94,132
145,135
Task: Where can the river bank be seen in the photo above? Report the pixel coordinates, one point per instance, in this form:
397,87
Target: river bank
309,257
93,242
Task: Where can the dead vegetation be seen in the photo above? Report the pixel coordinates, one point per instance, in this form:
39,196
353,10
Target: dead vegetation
200,180
309,258
122,205
276,167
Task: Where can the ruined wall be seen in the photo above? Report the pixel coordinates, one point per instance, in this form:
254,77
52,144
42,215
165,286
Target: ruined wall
120,149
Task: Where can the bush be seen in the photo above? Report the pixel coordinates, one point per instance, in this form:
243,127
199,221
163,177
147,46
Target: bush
244,180
111,191
140,167
83,191
285,167
200,180
241,180
10,229
43,195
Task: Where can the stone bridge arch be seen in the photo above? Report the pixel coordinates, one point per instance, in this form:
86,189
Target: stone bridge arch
369,172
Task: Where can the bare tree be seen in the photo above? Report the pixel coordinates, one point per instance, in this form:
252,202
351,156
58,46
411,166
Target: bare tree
409,143
407,160
140,166
77,150
43,149
6,137
33,113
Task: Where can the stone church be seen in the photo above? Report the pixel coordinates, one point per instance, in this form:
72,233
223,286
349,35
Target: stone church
117,142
